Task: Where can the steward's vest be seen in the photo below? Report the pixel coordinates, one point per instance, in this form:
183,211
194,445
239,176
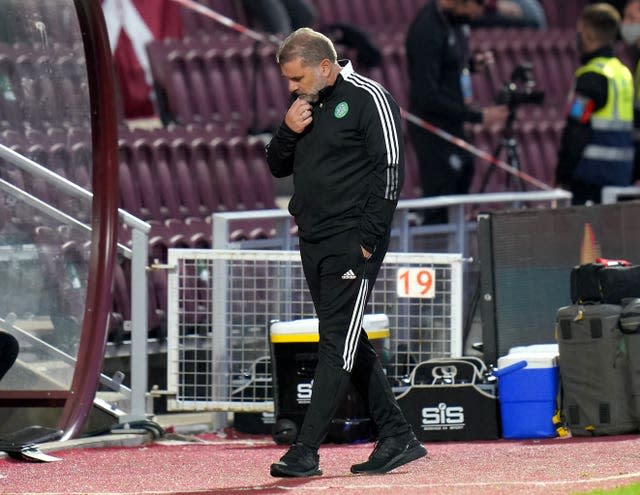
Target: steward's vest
636,104
608,158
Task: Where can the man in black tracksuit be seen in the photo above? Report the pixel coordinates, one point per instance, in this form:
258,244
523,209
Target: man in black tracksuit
341,139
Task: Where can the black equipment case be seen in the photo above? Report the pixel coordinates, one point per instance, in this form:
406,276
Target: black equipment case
294,357
607,282
451,399
595,370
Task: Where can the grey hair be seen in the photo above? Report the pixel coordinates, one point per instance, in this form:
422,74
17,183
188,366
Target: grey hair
310,46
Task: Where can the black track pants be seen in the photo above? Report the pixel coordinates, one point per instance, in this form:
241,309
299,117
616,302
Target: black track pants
340,281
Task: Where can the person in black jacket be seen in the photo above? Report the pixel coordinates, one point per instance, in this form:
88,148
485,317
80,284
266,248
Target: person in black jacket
439,65
9,349
341,139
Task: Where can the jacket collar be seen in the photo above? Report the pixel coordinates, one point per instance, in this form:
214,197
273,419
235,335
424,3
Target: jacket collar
346,71
604,51
347,68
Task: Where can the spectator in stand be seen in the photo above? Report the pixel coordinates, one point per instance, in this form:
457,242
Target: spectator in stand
8,352
630,31
439,62
279,16
596,147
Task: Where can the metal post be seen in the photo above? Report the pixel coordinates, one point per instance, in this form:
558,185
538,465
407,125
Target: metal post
457,287
459,242
139,326
402,222
220,231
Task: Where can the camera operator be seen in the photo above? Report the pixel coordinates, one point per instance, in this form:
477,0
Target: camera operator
596,148
439,61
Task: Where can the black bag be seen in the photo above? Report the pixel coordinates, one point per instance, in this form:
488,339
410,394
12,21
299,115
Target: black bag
595,371
605,282
449,399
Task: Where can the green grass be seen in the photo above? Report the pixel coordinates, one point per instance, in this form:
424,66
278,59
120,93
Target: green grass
625,490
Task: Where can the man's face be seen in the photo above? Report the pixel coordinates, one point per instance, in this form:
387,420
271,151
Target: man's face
583,38
471,9
464,9
632,13
305,81
630,27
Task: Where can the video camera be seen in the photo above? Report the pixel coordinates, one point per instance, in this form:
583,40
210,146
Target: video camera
521,89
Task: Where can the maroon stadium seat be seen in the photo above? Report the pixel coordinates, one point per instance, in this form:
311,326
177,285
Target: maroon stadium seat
164,180
184,178
204,177
143,156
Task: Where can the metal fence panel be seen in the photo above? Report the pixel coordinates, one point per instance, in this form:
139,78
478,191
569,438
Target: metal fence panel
221,303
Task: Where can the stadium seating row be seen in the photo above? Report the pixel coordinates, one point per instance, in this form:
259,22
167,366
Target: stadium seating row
237,85
371,15
164,179
47,24
242,86
182,175
39,88
61,272
385,15
552,54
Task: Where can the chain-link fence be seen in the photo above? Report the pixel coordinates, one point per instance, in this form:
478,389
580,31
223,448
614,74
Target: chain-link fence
221,305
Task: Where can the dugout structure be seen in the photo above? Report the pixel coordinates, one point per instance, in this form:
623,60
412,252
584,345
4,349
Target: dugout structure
221,303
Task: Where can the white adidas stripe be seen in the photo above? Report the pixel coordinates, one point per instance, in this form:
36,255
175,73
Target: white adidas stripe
355,326
389,129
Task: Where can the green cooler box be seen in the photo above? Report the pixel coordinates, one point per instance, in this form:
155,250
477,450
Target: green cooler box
294,347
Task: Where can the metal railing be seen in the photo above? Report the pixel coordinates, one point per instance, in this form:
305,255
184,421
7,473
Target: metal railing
404,229
138,255
223,302
613,194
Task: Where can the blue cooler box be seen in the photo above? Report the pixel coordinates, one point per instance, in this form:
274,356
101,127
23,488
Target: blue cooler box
528,391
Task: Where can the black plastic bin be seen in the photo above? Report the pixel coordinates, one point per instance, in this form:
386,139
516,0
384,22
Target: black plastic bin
294,346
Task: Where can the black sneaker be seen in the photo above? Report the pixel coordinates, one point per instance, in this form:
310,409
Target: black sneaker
389,454
299,461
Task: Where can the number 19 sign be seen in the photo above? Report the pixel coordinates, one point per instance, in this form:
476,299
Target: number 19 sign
416,282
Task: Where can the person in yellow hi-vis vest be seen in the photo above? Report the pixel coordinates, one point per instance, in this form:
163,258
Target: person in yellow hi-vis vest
630,31
596,148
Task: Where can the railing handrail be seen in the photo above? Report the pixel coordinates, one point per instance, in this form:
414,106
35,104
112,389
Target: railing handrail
484,198
65,185
420,203
456,204
612,194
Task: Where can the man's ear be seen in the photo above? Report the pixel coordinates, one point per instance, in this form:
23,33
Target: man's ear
325,66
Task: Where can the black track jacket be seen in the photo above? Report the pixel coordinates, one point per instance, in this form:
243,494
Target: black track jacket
347,165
